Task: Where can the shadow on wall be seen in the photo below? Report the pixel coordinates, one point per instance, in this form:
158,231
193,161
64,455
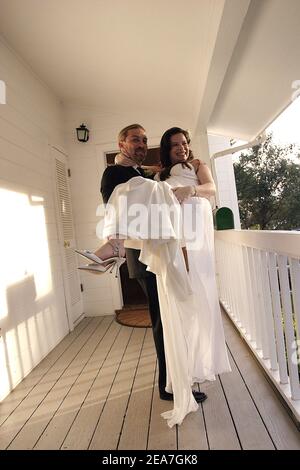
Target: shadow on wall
32,313
28,331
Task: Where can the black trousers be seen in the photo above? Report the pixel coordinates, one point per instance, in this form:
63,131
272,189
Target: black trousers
149,286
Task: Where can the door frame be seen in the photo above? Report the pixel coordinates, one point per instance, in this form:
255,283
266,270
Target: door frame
67,294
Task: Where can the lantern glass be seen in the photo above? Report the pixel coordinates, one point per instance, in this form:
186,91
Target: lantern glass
82,133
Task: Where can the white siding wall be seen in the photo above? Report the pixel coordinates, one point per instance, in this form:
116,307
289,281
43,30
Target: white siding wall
32,305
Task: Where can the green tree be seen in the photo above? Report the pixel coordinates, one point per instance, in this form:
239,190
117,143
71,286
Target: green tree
268,187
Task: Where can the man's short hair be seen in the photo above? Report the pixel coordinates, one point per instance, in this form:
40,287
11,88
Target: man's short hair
124,132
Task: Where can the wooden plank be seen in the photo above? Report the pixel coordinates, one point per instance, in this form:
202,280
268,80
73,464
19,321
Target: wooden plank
107,432
135,429
161,437
192,432
28,406
83,427
219,425
249,425
97,307
99,392
57,429
39,420
13,400
279,424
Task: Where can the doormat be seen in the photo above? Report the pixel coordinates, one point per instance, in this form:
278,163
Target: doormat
134,317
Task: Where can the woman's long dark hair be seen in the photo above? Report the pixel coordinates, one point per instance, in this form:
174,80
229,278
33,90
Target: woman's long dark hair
165,148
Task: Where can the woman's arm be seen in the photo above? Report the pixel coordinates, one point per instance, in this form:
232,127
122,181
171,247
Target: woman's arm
205,188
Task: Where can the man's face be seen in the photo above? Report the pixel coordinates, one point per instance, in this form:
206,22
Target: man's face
135,145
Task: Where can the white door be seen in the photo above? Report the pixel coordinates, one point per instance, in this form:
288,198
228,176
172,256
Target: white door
66,235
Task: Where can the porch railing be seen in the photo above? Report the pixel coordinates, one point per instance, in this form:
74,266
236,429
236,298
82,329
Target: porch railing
258,274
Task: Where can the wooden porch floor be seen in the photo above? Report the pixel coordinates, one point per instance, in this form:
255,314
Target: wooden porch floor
96,390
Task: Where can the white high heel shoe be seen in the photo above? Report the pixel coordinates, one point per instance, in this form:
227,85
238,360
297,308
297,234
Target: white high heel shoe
96,268
102,265
92,257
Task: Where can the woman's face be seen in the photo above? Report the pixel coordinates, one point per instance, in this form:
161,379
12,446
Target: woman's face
179,148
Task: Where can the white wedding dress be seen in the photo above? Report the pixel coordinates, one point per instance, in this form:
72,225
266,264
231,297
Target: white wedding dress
193,333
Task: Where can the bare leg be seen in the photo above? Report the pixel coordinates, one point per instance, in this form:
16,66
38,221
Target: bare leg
114,247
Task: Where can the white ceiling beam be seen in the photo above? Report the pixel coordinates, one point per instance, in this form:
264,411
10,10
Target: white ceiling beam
231,22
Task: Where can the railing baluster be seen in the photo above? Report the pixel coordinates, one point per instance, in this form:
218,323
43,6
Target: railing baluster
234,283
223,268
239,287
261,299
251,294
244,293
295,277
268,312
229,280
289,329
261,329
257,332
277,319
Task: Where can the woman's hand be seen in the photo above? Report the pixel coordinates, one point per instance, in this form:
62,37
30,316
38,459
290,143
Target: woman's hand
183,192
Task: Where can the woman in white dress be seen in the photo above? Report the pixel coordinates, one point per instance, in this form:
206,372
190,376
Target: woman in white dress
179,249
193,185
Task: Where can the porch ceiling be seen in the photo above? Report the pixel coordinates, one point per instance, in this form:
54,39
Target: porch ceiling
222,65
257,86
117,55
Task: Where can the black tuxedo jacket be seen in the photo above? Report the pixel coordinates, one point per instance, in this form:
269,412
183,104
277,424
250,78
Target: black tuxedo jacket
112,176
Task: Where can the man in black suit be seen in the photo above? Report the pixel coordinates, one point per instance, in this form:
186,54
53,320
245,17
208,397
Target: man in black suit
133,145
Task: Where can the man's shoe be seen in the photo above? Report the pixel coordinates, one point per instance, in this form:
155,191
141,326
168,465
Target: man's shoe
199,396
166,396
